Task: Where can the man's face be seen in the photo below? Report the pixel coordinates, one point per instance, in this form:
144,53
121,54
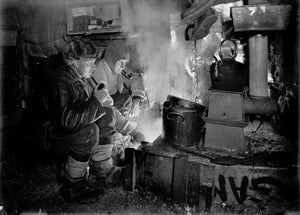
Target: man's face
120,65
86,67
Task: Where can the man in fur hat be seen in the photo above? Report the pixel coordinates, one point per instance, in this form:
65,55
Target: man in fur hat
81,128
119,91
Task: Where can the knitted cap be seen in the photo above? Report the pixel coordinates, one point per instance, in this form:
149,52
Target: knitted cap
115,51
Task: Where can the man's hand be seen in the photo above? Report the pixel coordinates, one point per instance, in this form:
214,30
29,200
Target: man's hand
103,96
135,108
137,136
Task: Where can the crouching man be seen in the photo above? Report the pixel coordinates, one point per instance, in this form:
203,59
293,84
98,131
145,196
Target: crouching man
81,127
117,91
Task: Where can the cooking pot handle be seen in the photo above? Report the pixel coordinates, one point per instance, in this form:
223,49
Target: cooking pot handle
173,116
167,105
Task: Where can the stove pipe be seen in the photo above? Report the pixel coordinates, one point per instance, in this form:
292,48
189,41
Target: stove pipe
258,66
259,101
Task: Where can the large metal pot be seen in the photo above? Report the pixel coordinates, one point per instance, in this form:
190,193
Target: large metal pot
182,122
176,101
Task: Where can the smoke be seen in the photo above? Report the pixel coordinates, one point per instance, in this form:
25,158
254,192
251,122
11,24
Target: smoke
158,50
163,54
150,125
152,25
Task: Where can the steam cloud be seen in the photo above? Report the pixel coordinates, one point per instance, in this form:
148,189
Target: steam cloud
160,53
163,55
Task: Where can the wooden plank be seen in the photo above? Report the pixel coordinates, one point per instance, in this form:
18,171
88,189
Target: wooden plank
129,165
140,170
206,178
179,185
152,173
165,171
160,149
261,17
193,185
240,184
205,197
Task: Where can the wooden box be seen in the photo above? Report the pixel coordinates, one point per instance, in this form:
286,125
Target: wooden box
195,181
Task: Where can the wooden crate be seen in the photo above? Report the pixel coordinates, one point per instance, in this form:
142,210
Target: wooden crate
195,181
169,173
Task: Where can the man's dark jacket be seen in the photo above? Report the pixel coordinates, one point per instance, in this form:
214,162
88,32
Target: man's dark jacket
69,101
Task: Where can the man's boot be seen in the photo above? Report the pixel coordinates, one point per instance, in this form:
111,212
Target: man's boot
107,172
76,187
102,165
80,192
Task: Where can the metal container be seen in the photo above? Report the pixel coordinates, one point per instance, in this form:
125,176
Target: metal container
182,125
232,76
228,74
176,101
